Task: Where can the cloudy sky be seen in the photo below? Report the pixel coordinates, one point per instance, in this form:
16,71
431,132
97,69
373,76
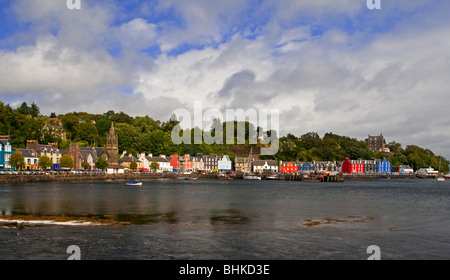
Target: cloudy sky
328,66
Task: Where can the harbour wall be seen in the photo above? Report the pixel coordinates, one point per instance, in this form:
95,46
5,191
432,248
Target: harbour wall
22,179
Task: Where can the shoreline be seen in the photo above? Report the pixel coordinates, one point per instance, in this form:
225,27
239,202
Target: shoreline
23,179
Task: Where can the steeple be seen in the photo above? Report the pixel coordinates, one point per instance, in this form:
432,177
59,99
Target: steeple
112,146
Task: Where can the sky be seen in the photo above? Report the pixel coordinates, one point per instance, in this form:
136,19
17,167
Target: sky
327,66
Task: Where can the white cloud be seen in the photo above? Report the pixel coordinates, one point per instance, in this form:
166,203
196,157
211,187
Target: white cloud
335,64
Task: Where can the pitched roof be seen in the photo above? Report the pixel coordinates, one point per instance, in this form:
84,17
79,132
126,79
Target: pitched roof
157,159
128,159
28,153
270,162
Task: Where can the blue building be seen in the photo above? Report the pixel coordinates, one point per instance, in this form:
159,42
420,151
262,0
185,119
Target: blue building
6,151
306,167
384,166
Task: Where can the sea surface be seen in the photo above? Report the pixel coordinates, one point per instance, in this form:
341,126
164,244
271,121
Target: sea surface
208,219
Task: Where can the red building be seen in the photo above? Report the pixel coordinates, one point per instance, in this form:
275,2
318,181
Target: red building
175,163
352,166
288,167
185,163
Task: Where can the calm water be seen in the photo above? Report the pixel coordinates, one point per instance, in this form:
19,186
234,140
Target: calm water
232,219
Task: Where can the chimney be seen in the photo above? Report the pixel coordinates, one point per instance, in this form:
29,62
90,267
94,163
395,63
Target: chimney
32,145
150,155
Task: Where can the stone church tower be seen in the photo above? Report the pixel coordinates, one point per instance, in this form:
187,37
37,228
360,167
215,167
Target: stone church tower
112,146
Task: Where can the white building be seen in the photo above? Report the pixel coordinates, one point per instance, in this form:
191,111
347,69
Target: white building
164,164
224,164
260,166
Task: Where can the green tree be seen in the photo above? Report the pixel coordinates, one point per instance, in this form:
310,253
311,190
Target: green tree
17,160
154,166
101,163
133,165
45,162
85,165
66,161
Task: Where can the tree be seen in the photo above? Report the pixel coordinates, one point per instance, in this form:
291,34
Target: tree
17,160
66,161
133,165
85,165
154,166
101,163
45,162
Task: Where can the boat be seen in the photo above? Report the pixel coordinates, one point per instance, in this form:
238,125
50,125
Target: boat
183,178
134,183
440,178
251,177
224,176
273,177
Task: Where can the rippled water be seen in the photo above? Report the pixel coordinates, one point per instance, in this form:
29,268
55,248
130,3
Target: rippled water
230,219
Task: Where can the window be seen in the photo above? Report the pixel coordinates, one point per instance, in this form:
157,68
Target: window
8,148
7,158
1,147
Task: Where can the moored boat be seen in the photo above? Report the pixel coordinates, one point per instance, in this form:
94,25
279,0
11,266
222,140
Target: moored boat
251,177
134,183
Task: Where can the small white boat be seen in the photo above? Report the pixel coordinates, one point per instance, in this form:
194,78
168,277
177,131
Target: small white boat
251,177
440,179
134,183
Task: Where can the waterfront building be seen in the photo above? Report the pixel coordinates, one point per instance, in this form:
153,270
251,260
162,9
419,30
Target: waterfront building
288,167
405,169
352,166
324,166
185,163
51,150
112,147
243,164
111,152
175,163
262,166
224,164
306,167
126,161
83,154
197,163
370,166
384,166
210,162
31,158
163,163
6,150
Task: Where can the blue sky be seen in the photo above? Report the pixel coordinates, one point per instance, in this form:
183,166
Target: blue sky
344,68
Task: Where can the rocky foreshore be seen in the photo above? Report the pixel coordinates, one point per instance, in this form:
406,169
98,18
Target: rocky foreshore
21,179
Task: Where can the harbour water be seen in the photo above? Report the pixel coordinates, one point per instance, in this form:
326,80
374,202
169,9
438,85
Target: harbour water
209,219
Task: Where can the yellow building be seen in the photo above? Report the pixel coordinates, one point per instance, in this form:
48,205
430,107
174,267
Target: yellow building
51,150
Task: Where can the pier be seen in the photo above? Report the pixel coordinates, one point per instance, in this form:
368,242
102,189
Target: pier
314,178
